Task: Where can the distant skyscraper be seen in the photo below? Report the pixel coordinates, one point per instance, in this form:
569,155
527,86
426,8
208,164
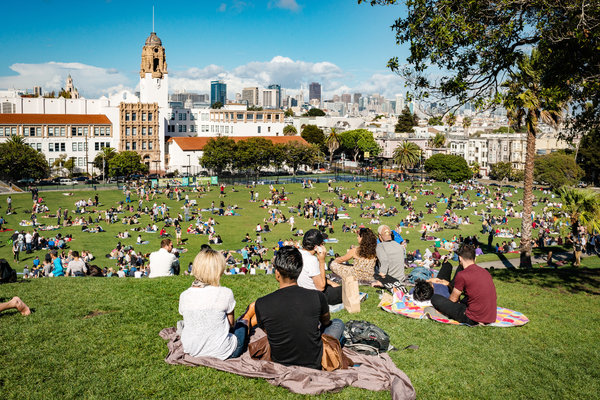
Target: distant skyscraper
336,98
314,91
346,98
218,92
250,96
357,97
37,90
399,103
278,88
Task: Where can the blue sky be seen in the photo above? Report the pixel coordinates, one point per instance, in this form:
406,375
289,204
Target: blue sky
293,42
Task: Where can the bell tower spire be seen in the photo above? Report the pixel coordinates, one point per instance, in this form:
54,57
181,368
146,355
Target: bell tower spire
153,71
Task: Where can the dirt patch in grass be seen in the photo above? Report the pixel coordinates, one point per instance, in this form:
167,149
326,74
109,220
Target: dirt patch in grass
96,313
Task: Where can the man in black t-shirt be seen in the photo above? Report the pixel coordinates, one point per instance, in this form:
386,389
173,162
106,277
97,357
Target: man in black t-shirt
293,317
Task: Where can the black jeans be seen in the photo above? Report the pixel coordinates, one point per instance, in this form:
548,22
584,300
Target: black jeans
333,294
450,309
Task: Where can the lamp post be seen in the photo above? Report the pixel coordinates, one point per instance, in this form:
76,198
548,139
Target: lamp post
189,166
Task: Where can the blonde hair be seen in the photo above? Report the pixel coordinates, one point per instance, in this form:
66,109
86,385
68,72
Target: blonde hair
208,266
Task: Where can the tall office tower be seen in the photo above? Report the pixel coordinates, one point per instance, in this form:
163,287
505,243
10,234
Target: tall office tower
357,97
218,92
278,95
336,98
314,91
250,96
399,103
346,98
37,90
269,98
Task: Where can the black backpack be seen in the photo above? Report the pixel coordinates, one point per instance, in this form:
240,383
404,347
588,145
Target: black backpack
366,338
7,274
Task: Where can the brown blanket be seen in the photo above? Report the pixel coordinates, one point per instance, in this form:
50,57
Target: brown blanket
374,373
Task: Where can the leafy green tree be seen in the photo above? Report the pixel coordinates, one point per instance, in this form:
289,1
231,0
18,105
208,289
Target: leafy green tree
289,112
254,108
438,141
315,112
70,166
313,134
518,175
289,130
64,93
103,158
359,141
442,167
126,163
216,105
501,170
406,121
216,154
333,143
459,50
581,208
588,156
253,154
435,121
527,101
407,155
475,167
20,161
557,170
296,154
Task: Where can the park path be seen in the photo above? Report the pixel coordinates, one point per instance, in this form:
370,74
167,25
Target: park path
535,260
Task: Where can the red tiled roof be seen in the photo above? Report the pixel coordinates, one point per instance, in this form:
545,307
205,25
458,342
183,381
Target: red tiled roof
197,143
57,119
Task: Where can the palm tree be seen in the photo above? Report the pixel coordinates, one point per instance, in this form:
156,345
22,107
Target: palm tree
407,155
466,123
333,143
102,158
451,119
528,102
438,141
289,130
59,163
582,207
16,139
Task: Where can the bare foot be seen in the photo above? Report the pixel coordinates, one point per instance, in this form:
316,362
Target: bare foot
20,305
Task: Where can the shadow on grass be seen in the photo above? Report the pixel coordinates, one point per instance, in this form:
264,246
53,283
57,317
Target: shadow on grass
566,280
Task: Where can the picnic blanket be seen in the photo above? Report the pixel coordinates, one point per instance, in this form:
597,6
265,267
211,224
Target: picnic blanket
374,373
402,304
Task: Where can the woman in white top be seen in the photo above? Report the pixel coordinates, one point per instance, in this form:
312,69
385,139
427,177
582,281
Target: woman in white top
207,309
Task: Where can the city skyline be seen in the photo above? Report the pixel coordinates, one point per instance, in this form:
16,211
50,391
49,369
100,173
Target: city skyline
264,43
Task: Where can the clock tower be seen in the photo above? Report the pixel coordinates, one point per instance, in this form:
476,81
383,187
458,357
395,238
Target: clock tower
154,83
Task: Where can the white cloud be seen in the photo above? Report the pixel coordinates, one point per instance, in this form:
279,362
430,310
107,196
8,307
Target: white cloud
222,7
291,5
292,75
91,81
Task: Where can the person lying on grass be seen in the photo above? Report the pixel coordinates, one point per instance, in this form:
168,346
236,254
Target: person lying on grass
478,304
208,312
293,317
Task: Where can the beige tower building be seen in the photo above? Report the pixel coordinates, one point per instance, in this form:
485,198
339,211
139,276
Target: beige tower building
71,89
154,84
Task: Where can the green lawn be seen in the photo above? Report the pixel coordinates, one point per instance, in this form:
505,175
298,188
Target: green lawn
98,337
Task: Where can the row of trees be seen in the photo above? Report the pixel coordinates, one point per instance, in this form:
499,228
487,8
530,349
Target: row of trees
20,161
354,143
252,155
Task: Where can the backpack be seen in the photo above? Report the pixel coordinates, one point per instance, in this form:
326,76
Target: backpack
366,338
7,274
420,273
